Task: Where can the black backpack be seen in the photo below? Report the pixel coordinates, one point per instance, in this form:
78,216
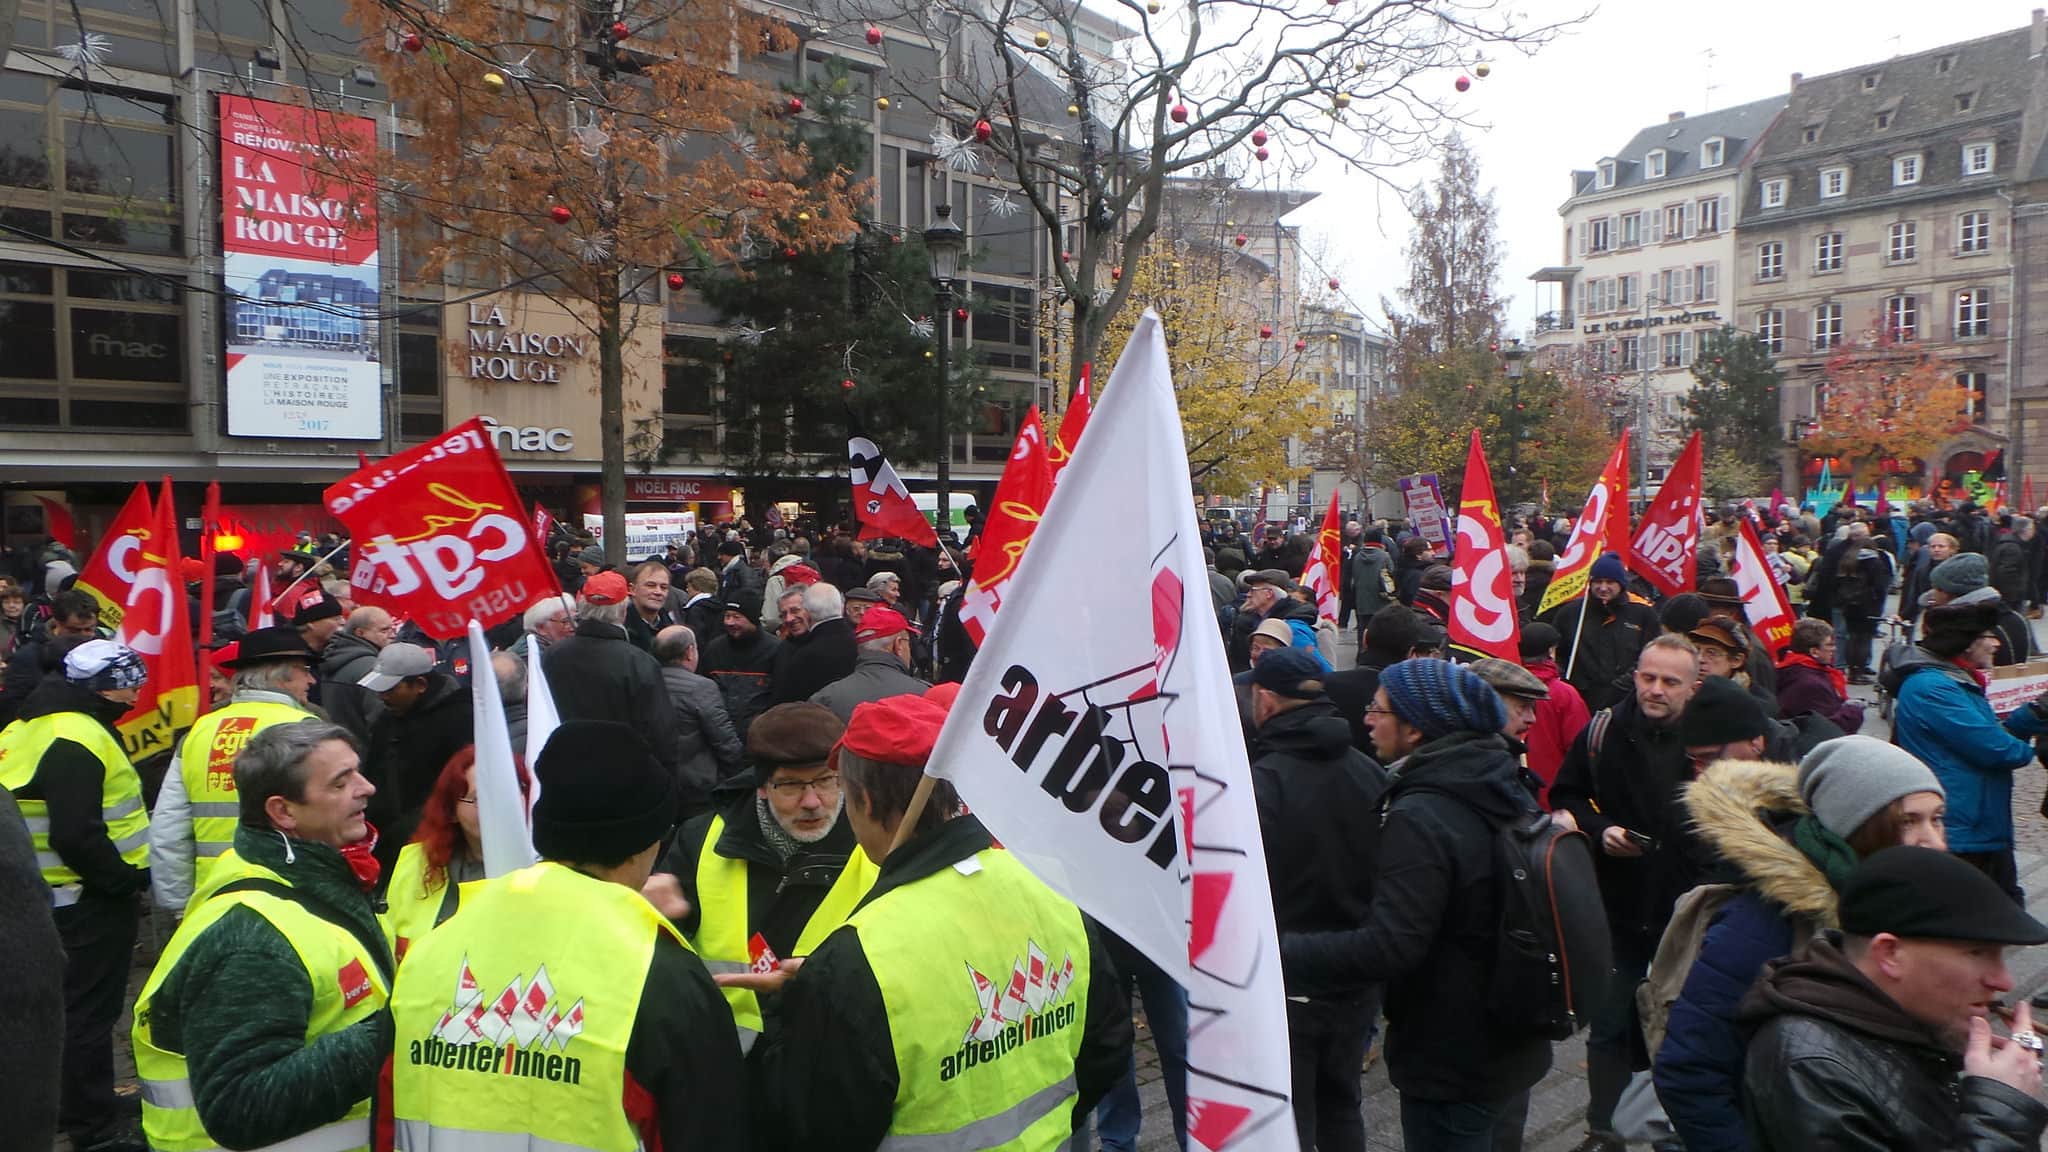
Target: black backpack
1553,955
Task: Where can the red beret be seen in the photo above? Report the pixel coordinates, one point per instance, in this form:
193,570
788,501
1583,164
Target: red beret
799,575
943,694
897,730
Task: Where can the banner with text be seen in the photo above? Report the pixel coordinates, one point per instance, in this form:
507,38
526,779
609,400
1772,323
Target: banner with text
299,257
1423,496
647,533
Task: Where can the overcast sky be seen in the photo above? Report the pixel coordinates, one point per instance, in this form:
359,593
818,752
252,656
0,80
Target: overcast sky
1626,67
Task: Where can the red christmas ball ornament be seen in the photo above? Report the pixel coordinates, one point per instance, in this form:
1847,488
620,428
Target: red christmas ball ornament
675,281
620,31
795,105
1240,240
846,385
1301,345
789,253
1179,112
1116,273
1066,257
1464,83
960,314
560,213
1265,331
1259,138
983,130
874,37
1263,154
412,42
1333,283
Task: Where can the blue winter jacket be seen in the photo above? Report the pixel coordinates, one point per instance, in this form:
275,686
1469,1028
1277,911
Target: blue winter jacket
1784,897
1943,718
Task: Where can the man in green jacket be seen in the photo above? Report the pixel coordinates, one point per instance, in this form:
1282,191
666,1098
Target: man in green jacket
283,945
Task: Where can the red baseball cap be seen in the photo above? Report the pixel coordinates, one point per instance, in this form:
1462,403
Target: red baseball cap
605,588
896,730
880,623
943,694
225,655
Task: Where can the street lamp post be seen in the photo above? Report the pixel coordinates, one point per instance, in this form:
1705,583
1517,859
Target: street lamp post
943,242
1513,356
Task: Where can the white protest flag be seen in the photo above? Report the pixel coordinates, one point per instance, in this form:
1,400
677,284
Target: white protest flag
1097,737
541,721
500,813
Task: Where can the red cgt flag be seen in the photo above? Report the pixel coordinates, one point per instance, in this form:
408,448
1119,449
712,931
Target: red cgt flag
1483,617
134,575
1666,548
1324,570
442,536
110,572
1020,500
1602,527
1071,425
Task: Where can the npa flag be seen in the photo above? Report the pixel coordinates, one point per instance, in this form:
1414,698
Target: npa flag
1602,527
1098,739
1483,615
880,501
1071,425
501,812
1666,548
1324,569
441,535
1019,504
110,572
1763,602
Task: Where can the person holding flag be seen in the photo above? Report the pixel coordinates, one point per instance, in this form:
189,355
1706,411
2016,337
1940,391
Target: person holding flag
64,761
1603,633
1046,1032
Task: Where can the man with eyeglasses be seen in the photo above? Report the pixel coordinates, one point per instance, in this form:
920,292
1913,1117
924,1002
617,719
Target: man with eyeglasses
777,870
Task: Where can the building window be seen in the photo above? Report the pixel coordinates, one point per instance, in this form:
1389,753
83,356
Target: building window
1978,157
1977,386
1834,183
1973,232
1902,318
420,412
1610,291
1706,281
95,167
1973,312
1773,193
1812,134
1599,234
1674,222
1605,178
1629,295
1653,164
1712,152
1965,101
92,349
1631,353
1827,252
1770,261
1944,65
1905,170
1677,349
1903,245
1884,120
1709,215
1674,287
1870,80
1827,326
1770,330
1631,230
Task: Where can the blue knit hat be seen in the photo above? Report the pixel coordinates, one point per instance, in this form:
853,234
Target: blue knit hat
1609,567
1439,698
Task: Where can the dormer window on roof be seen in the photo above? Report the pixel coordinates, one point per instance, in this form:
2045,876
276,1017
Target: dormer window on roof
1604,177
1653,164
1811,134
1870,80
1884,120
1965,101
1713,151
1944,65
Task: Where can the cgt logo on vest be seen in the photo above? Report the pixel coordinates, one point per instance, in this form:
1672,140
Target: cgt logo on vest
508,1035
228,742
1034,1005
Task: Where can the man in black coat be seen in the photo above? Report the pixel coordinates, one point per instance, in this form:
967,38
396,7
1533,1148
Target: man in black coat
1431,934
1318,800
1879,1036
425,720
1394,633
741,660
1623,782
819,648
1614,630
597,674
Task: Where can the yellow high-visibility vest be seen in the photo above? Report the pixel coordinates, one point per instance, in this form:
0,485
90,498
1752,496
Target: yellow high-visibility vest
984,972
723,931
412,906
22,745
347,986
206,762
571,954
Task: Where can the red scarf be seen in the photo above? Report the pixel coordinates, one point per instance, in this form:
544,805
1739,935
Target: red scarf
1983,678
1836,677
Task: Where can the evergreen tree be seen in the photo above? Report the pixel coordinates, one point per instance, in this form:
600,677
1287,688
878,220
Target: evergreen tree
1733,404
1449,301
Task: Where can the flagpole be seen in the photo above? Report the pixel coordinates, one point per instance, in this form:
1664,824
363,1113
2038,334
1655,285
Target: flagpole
209,523
279,596
918,800
1585,598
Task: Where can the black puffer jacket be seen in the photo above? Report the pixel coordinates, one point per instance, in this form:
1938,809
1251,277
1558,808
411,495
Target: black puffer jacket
406,755
1613,637
343,664
1318,803
1432,932
1835,1063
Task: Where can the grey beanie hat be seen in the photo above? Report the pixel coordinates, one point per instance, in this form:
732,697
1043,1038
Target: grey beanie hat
1847,780
1960,573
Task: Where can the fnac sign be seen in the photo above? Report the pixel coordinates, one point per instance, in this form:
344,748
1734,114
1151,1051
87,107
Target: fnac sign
442,535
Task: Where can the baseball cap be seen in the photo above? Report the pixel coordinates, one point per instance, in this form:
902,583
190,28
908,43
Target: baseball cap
881,623
1275,630
605,588
394,663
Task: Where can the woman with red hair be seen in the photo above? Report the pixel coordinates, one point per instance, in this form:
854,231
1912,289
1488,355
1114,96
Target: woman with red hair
446,846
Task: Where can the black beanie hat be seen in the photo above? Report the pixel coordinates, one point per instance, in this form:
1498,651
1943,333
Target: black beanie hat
603,796
1683,612
1949,630
1722,712
795,735
1923,893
